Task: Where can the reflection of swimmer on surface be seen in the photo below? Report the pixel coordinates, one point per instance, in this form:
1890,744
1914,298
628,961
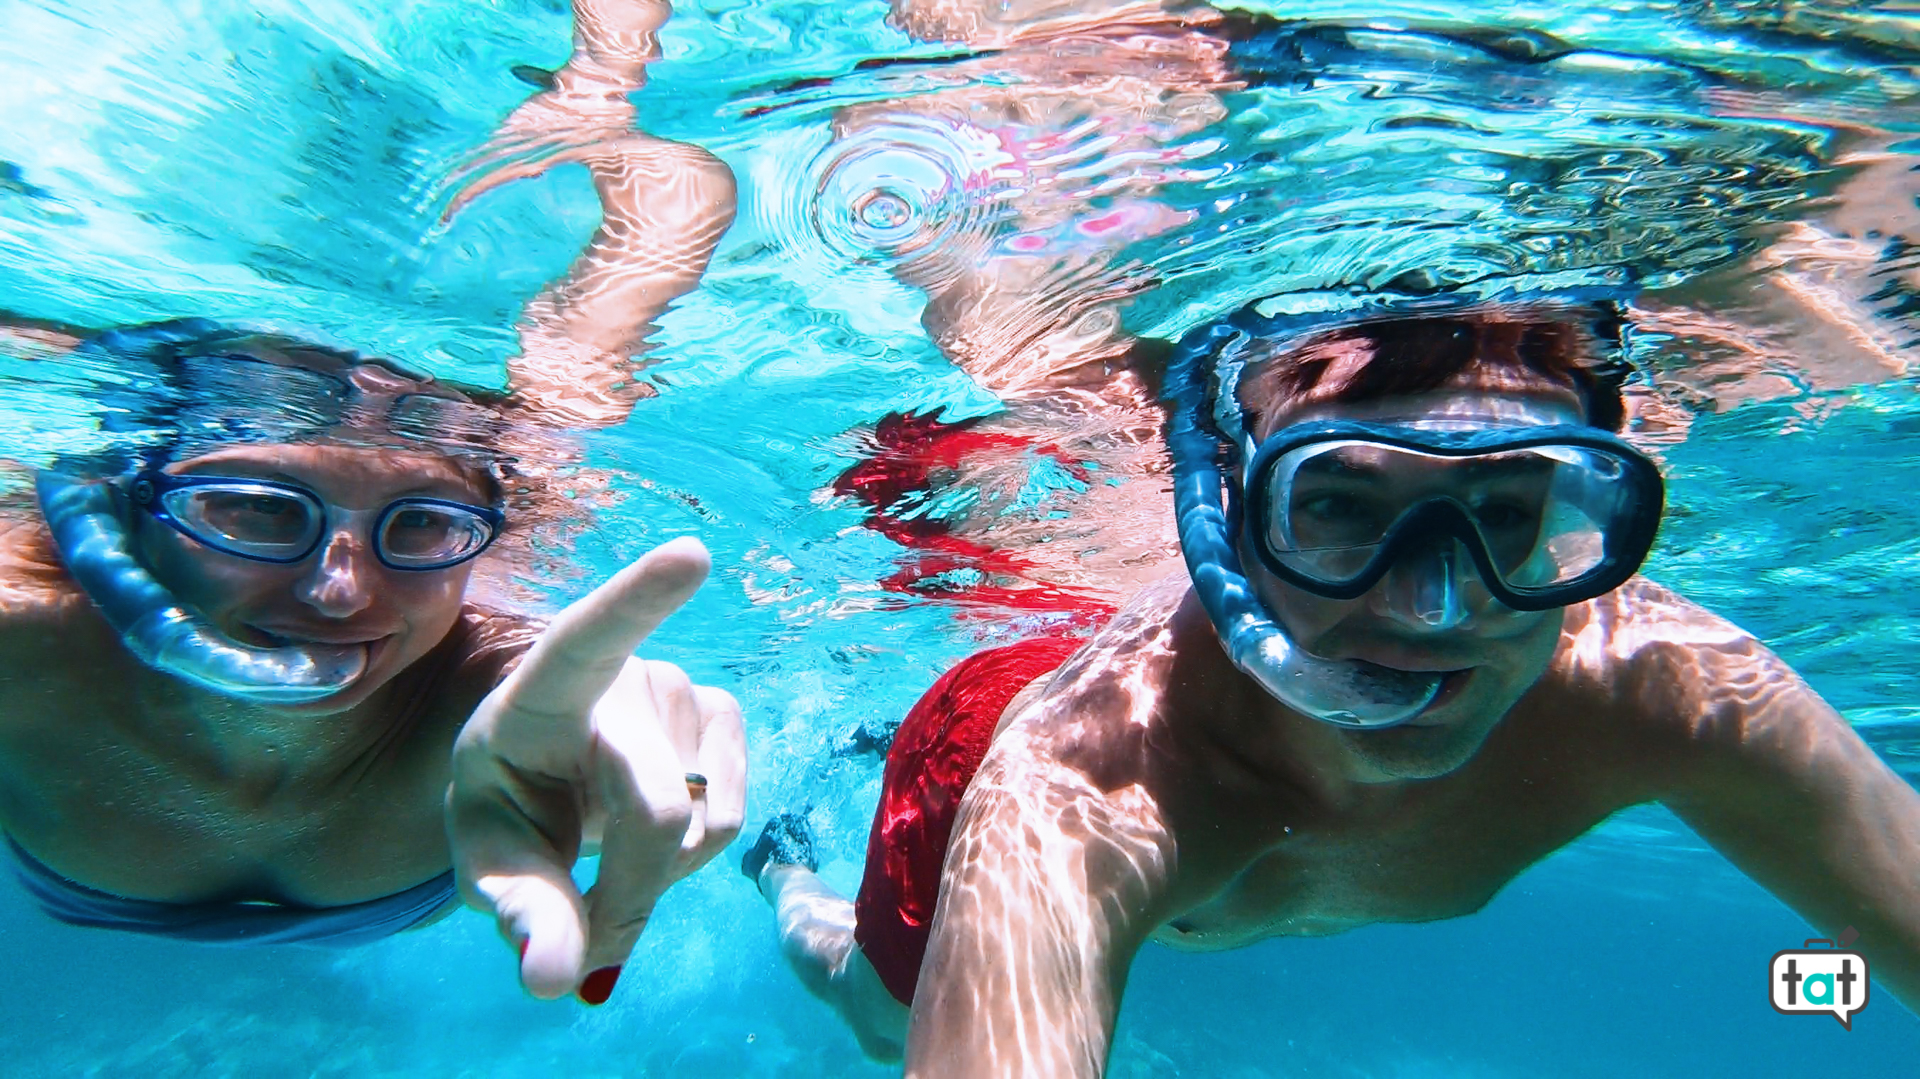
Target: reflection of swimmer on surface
1067,483
665,206
1416,662
1087,115
267,618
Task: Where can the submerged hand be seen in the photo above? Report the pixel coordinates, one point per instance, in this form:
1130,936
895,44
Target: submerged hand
585,741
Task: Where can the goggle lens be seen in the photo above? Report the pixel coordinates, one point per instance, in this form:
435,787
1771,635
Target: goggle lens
276,523
1542,513
420,535
252,519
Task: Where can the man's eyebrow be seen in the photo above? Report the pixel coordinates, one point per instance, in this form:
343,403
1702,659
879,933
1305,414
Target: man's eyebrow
1337,466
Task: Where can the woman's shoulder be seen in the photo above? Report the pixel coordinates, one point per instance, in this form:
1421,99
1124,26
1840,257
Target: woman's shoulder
481,650
34,585
493,636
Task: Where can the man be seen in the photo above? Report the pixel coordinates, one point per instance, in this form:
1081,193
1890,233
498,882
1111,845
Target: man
1409,659
248,700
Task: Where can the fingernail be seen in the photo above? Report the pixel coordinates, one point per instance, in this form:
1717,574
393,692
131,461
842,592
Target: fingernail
599,985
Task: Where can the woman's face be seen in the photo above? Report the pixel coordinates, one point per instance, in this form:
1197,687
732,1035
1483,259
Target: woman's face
341,594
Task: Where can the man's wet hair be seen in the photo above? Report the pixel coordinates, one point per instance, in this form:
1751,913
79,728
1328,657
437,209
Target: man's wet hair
1577,347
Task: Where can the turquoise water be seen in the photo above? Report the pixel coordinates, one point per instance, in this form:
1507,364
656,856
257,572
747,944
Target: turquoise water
284,165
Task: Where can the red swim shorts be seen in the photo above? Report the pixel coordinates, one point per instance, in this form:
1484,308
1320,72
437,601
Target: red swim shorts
935,753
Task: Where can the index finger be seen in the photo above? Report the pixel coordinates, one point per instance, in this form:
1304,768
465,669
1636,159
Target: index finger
587,645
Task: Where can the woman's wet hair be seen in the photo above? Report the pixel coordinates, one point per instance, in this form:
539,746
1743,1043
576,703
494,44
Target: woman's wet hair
194,389
1579,348
172,408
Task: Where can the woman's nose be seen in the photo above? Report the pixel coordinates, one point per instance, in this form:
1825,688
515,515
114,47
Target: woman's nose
340,584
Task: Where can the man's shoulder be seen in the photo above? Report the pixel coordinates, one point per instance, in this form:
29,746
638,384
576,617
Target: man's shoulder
1653,660
1643,626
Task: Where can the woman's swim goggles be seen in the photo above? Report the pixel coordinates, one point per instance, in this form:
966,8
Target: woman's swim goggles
198,388
1549,514
269,521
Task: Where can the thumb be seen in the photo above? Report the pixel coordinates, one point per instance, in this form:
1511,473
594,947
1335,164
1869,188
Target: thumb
542,914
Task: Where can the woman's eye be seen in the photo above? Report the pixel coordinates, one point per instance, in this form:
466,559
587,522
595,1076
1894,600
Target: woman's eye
239,505
252,515
419,520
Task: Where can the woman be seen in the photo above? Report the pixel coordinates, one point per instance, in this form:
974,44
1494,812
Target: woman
246,689
266,618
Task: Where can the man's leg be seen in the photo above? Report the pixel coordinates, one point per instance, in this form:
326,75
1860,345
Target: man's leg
816,936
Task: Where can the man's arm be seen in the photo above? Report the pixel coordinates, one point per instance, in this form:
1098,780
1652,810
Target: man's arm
1778,782
1051,885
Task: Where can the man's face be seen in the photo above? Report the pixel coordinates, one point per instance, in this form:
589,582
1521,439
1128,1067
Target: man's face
341,594
1490,654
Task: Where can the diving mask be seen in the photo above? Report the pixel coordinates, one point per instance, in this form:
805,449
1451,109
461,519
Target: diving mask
1548,514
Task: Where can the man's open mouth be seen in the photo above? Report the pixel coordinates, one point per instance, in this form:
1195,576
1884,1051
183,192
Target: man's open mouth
1452,684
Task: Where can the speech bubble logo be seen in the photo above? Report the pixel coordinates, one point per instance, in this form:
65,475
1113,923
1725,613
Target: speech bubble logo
1812,981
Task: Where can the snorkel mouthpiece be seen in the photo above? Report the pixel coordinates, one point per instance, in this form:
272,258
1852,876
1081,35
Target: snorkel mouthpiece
157,630
1346,693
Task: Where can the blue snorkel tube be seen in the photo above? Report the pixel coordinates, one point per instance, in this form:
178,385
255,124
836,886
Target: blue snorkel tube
159,632
1201,378
88,531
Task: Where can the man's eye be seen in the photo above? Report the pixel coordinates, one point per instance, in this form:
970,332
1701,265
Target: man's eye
1505,515
1330,507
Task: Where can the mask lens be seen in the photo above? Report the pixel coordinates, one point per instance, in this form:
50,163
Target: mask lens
1589,494
1542,513
1332,504
422,535
255,519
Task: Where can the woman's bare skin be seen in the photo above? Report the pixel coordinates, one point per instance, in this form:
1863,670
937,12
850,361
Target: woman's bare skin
491,742
231,801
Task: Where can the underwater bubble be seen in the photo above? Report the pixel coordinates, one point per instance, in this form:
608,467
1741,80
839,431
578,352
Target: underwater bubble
883,211
901,188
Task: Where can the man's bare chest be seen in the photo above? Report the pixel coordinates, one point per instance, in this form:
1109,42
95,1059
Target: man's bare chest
1441,856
